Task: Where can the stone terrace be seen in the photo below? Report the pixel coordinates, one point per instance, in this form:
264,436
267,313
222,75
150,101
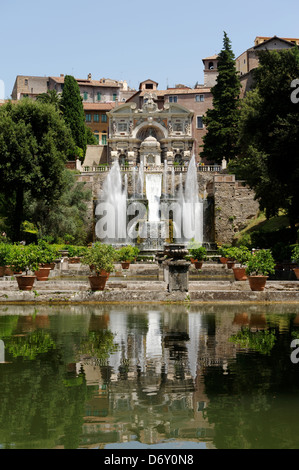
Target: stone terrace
144,283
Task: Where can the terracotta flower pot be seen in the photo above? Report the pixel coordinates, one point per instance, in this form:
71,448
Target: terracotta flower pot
2,270
8,271
48,265
125,264
102,272
230,263
257,283
240,274
223,260
296,271
241,319
258,320
198,264
25,282
97,282
74,260
42,274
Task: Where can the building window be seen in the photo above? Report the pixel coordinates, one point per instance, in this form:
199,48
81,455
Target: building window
99,97
114,96
88,117
26,81
173,99
199,122
95,118
96,134
104,117
104,139
199,98
85,95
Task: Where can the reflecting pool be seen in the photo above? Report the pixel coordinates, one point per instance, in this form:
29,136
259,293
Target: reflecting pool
149,376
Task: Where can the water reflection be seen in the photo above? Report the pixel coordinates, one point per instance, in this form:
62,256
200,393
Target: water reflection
102,376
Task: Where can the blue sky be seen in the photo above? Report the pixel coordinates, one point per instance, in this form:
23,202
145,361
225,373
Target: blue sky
159,39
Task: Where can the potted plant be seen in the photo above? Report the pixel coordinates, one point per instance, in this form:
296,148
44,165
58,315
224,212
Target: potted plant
230,255
295,259
242,255
198,254
25,258
47,256
75,253
100,257
126,254
222,250
259,265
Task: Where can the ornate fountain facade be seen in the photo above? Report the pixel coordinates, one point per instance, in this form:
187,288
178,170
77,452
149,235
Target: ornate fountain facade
153,192
150,135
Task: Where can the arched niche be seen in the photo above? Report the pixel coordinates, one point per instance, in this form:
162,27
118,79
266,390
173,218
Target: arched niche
145,130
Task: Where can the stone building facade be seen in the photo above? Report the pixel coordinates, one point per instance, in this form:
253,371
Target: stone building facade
150,134
248,60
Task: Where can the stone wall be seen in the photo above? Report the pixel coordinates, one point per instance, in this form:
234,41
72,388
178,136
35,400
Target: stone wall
234,206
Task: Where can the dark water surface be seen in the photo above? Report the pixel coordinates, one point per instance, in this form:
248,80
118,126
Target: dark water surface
149,376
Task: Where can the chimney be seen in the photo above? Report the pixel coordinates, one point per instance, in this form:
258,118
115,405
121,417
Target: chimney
89,76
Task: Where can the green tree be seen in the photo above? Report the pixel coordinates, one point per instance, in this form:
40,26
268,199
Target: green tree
68,213
34,141
51,97
72,107
90,138
221,120
269,136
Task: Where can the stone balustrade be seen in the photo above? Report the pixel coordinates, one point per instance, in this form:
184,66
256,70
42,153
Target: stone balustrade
177,169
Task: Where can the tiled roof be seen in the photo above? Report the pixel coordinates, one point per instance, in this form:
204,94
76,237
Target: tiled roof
270,37
186,91
98,106
85,81
212,57
288,41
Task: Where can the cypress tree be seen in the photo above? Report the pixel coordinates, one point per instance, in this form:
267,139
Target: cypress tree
221,121
73,112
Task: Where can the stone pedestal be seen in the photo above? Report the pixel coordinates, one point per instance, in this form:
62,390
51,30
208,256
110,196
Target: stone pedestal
176,274
176,268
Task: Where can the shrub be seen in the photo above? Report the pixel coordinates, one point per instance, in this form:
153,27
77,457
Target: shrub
260,263
198,252
24,257
100,257
295,254
4,253
127,253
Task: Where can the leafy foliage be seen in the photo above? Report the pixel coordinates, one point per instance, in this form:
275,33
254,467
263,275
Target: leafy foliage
295,254
197,252
67,216
260,341
73,112
34,141
260,263
221,120
127,253
269,136
24,258
100,257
